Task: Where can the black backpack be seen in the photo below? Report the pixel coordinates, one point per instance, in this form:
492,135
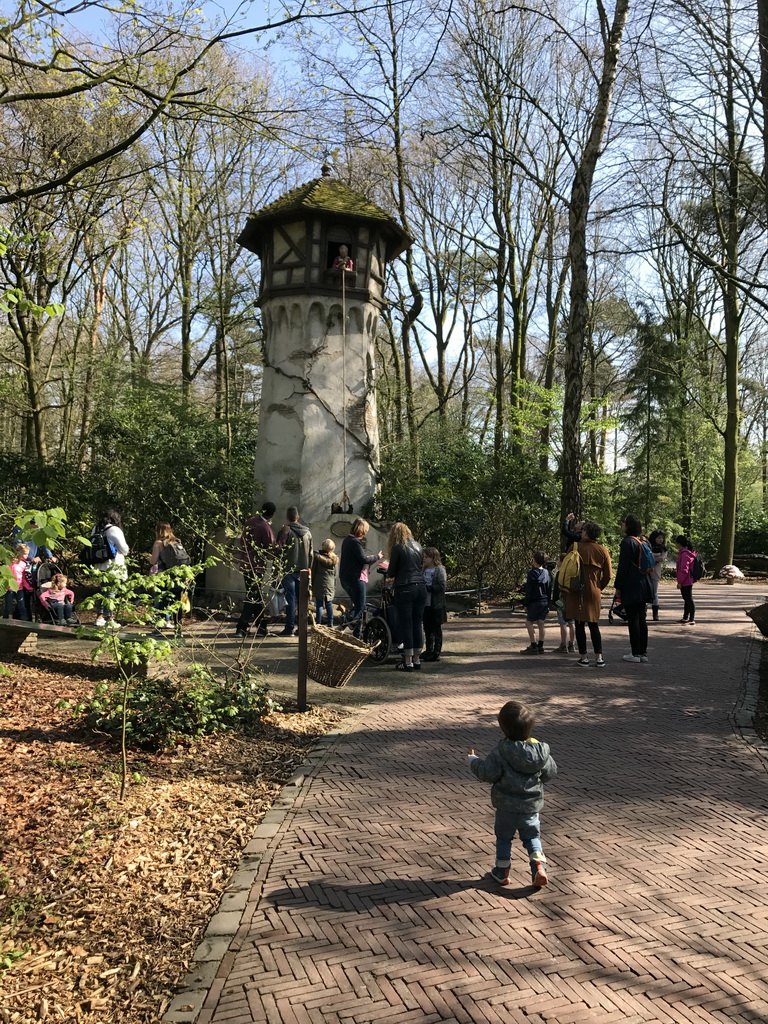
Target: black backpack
174,554
697,568
100,550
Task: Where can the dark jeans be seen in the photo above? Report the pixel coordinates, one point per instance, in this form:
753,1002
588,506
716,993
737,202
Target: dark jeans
101,608
689,608
254,608
594,635
16,600
433,628
328,605
409,600
291,591
356,591
61,611
527,826
638,628
167,599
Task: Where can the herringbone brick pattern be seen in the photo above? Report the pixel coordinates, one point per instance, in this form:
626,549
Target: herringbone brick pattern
373,907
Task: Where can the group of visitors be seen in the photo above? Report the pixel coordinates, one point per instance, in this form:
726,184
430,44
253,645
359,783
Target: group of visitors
584,570
34,569
416,575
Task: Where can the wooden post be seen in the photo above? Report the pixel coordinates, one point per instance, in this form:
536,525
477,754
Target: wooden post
303,612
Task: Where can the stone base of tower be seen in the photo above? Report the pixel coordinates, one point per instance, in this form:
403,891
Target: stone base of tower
223,584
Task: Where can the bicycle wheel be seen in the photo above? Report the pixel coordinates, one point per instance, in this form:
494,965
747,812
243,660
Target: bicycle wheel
376,630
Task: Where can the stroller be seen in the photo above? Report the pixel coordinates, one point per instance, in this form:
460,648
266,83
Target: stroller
616,611
40,581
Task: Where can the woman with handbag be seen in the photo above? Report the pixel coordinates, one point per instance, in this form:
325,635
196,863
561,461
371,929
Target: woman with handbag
406,572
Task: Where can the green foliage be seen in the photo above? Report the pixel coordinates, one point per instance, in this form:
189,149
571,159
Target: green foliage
153,457
485,523
10,957
163,711
48,531
751,531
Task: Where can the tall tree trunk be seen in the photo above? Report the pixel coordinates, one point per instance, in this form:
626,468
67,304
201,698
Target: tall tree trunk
99,301
554,302
732,326
411,314
764,458
686,484
578,214
27,330
762,23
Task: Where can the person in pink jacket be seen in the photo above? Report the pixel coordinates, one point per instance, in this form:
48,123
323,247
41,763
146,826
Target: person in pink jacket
685,580
57,599
18,598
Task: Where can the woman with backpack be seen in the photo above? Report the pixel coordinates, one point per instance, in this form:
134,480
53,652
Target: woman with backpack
633,585
583,589
109,548
686,577
167,553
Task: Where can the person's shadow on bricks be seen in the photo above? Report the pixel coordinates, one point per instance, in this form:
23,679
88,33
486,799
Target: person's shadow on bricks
356,898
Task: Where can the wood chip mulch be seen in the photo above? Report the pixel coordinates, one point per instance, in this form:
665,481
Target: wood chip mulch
102,904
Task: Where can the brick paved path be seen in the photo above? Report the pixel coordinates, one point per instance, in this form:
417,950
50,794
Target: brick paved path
373,906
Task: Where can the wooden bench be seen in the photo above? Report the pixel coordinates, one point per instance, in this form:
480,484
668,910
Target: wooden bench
18,636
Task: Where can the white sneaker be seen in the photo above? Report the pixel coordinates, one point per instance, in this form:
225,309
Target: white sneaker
631,657
644,658
113,625
101,621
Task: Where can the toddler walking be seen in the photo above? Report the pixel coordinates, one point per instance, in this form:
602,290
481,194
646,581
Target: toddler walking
59,600
324,568
518,768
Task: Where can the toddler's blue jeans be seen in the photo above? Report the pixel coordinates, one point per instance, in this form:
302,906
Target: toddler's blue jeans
526,826
328,605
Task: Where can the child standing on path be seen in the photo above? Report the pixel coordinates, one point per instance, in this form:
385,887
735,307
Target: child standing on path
435,615
518,768
17,599
686,557
538,588
567,626
324,568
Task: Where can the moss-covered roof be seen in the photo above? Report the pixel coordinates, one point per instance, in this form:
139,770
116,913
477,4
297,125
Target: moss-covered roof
328,195
322,195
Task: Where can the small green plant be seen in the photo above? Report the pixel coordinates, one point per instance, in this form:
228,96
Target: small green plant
161,712
9,957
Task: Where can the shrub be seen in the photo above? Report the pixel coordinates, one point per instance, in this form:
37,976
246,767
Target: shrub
485,522
164,711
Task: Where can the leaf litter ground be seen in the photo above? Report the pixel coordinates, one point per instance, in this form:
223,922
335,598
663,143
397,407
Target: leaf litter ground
103,904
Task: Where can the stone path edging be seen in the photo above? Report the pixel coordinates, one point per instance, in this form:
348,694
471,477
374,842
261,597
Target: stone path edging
200,988
741,717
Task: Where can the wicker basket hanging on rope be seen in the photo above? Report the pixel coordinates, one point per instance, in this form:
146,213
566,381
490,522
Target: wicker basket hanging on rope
334,657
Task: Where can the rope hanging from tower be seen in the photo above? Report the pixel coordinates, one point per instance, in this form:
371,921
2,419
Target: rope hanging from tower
345,265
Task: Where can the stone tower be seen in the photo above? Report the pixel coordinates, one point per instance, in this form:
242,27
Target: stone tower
318,434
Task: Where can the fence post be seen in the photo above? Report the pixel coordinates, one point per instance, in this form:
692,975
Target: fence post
303,613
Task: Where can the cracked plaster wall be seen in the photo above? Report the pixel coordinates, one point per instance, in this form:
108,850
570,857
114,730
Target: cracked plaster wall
300,450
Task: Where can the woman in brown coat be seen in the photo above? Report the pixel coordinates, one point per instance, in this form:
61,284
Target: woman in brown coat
596,574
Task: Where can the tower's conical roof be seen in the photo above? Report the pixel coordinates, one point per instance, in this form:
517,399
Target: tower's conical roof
324,195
